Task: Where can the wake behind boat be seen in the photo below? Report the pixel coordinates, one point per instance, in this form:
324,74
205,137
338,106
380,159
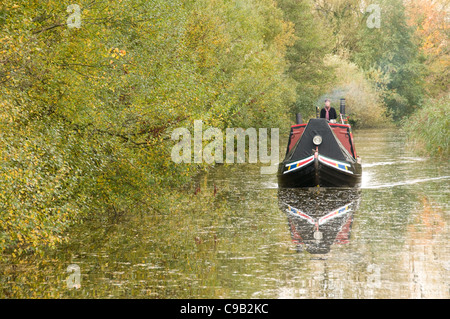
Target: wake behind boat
320,153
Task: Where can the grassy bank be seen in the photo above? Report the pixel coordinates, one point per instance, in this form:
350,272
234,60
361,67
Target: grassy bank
429,128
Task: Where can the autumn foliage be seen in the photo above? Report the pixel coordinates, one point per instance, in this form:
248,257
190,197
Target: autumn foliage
86,113
89,98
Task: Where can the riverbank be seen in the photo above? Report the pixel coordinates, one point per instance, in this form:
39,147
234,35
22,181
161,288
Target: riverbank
428,129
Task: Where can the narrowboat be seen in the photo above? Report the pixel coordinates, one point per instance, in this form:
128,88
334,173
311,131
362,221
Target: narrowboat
321,153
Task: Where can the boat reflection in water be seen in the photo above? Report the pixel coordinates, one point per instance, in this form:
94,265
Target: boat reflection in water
319,217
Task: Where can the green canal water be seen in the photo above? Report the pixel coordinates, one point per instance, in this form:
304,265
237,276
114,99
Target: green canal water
242,238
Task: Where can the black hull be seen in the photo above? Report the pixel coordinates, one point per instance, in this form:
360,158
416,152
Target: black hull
325,162
318,174
330,177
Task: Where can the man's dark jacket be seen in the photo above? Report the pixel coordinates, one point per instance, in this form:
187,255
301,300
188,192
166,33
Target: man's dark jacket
331,113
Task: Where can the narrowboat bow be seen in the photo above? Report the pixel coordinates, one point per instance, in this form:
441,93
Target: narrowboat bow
320,153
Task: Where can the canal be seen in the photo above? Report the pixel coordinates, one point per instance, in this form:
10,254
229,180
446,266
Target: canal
240,237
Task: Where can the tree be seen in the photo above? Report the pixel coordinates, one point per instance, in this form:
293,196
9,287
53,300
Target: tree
391,53
343,19
306,55
87,103
428,18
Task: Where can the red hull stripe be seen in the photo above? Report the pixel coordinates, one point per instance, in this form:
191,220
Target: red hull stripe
340,125
298,125
339,165
296,165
